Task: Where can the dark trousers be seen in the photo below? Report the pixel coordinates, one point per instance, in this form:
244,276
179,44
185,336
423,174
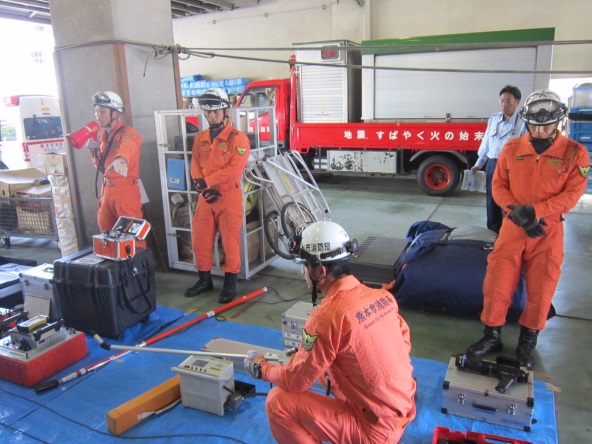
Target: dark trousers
494,212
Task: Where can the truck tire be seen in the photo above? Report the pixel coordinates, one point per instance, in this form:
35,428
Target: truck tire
438,176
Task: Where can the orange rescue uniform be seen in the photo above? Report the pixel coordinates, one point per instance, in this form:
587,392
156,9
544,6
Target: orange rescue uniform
552,183
221,165
120,196
358,338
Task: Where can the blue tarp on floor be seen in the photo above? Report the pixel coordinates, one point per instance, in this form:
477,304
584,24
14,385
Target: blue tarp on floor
76,411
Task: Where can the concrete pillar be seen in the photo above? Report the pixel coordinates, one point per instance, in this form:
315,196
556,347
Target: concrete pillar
108,45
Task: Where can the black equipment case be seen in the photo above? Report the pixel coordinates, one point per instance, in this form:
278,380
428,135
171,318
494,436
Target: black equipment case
103,295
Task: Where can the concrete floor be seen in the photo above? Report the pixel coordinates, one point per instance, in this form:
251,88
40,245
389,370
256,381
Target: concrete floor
386,207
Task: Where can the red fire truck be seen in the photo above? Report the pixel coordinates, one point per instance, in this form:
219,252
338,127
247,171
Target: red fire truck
399,106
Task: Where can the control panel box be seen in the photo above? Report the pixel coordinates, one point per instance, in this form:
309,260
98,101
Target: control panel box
206,383
293,322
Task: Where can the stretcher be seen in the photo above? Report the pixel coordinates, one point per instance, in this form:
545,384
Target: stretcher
292,198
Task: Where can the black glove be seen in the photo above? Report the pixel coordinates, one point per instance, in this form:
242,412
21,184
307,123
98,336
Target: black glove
521,215
210,195
535,229
200,184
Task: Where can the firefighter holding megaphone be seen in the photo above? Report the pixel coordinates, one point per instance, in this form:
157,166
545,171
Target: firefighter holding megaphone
116,155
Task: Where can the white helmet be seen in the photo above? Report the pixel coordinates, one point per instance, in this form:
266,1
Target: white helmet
213,99
322,243
543,107
108,99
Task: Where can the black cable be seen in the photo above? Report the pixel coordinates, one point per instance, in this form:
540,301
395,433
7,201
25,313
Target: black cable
252,395
73,421
22,432
183,53
388,68
576,318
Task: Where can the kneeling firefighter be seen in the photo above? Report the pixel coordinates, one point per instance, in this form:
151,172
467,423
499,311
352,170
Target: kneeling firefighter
355,342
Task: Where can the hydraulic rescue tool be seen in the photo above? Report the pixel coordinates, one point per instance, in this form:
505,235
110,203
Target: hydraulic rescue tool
499,392
207,381
35,349
507,370
57,382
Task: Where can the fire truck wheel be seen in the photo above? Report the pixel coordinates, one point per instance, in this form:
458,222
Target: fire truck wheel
438,176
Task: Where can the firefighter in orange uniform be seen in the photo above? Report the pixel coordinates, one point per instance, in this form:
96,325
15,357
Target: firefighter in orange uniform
219,157
117,156
539,176
355,342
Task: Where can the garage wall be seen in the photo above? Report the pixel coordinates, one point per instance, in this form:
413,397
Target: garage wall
273,23
279,23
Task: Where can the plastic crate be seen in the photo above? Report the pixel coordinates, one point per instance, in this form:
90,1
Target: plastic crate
581,131
443,435
581,97
581,136
581,126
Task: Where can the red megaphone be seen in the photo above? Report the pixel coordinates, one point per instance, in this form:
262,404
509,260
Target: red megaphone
77,139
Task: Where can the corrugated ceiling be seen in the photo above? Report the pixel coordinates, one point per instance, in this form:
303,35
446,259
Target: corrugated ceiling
37,11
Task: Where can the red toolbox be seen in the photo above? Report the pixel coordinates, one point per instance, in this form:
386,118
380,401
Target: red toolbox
30,367
443,435
119,243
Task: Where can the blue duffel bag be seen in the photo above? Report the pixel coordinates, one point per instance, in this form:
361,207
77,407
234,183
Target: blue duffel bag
444,268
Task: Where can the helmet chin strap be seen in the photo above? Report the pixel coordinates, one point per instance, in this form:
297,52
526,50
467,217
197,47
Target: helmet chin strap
215,126
218,126
313,295
109,126
315,287
541,145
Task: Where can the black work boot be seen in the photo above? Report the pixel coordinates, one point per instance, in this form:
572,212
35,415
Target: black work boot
201,286
526,344
491,342
229,289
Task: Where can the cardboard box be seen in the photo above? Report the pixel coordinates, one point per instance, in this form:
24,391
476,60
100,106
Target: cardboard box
35,198
35,191
56,164
13,180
